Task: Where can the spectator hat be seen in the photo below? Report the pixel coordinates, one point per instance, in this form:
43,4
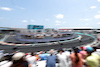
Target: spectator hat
83,52
89,49
18,56
84,48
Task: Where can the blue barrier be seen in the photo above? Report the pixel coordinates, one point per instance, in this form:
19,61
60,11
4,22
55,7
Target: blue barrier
86,34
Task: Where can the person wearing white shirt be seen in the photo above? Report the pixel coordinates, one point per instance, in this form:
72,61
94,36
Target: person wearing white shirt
32,61
62,57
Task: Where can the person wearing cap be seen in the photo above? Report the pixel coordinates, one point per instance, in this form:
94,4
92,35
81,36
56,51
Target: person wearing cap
19,60
84,54
93,59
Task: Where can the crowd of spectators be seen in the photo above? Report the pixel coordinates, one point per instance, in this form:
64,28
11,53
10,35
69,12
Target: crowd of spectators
75,57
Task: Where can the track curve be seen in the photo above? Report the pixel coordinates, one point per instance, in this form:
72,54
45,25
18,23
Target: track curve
85,40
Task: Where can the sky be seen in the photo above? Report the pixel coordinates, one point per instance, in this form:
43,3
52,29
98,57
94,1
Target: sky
50,13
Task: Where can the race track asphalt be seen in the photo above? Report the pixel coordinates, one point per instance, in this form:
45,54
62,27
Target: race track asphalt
85,40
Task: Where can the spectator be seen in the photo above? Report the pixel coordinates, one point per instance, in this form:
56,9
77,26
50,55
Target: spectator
51,60
68,52
43,56
19,60
62,57
76,58
37,56
32,60
84,54
96,50
92,59
28,55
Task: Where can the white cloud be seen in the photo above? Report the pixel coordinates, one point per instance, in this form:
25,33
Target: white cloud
98,23
58,21
24,20
92,7
98,0
97,16
6,8
20,7
60,16
32,20
85,19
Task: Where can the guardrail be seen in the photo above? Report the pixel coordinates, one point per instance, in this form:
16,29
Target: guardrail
94,43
